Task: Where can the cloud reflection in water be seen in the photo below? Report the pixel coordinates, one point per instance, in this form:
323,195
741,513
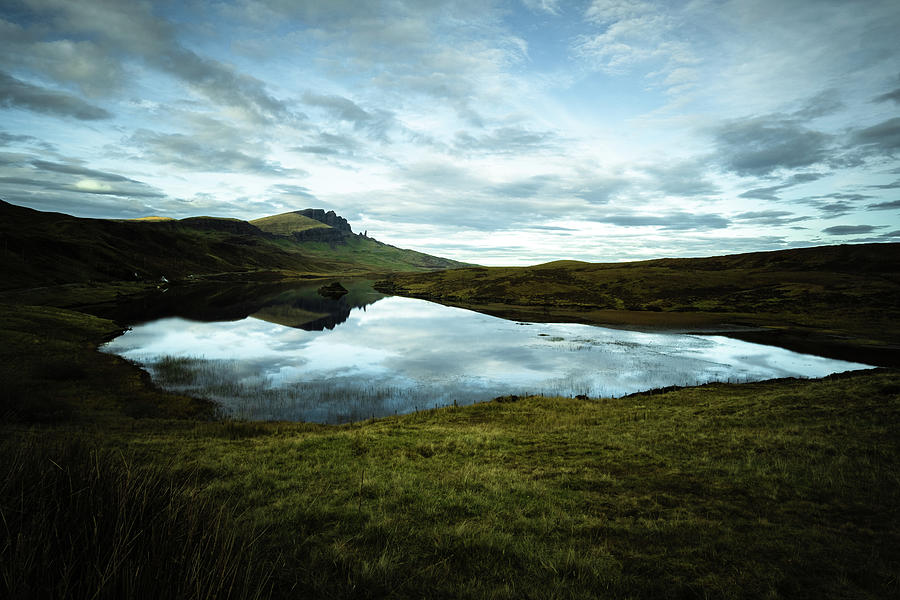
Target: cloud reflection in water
402,354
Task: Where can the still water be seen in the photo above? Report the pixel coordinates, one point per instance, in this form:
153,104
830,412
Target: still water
391,355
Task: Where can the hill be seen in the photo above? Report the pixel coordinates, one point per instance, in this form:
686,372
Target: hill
42,248
288,224
840,300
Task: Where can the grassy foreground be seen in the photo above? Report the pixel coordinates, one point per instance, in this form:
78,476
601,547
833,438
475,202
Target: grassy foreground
777,489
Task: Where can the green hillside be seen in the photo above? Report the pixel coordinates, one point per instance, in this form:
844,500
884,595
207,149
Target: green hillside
41,248
378,256
287,223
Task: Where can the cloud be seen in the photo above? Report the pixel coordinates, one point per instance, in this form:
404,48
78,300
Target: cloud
893,96
769,217
835,204
881,138
69,169
15,93
757,146
7,139
771,192
892,205
71,187
471,118
322,150
684,179
190,153
836,209
377,122
598,190
887,186
851,229
525,188
414,53
552,228
544,6
329,144
633,34
798,178
504,140
678,221
765,193
824,103
73,62
119,29
64,177
847,197
293,193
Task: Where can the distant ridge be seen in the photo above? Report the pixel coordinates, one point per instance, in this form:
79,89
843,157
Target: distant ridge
839,301
42,248
152,218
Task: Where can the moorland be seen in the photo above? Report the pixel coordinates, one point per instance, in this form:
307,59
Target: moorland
112,488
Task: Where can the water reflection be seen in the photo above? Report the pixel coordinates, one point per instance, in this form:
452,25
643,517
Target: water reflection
394,355
283,303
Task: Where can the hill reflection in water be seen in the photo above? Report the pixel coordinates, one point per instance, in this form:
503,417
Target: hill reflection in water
373,357
290,305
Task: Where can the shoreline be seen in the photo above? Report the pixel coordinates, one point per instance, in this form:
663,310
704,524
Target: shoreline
746,327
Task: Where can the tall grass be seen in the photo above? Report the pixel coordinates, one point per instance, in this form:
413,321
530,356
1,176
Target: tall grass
242,393
78,522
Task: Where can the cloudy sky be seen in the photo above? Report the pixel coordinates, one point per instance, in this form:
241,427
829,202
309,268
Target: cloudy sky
496,132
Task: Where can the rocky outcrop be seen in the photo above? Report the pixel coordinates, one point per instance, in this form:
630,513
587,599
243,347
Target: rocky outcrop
329,218
321,234
333,290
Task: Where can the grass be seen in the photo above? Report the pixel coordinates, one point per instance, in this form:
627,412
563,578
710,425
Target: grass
775,489
245,396
50,371
781,489
287,223
376,256
82,522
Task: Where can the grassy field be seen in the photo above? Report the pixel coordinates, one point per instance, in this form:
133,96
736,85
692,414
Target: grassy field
111,488
782,489
839,301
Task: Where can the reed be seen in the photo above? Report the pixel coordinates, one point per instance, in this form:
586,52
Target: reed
81,522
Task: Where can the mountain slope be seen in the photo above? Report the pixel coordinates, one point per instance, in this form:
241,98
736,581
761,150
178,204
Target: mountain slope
287,224
41,248
327,236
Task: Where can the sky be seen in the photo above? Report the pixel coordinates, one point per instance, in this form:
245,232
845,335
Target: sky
496,132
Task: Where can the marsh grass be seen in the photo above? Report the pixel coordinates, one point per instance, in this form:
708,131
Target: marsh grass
82,522
50,371
242,394
781,489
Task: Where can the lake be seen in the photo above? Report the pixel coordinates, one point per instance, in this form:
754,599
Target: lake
294,355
